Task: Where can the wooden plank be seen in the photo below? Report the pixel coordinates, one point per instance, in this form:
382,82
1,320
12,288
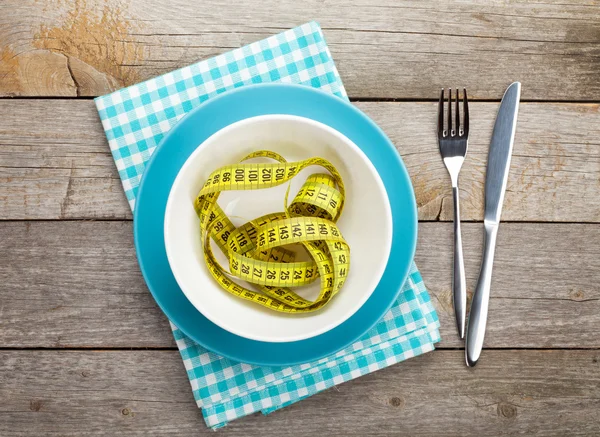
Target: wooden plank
387,49
77,284
70,284
61,167
140,393
555,166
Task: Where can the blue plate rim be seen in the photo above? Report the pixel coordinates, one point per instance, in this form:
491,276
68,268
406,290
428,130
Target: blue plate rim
402,177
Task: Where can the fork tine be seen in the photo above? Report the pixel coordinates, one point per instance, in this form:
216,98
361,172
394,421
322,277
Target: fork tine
465,113
441,115
457,116
450,112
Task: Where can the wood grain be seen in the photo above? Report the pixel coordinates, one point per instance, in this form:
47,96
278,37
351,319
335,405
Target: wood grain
141,393
77,284
384,49
60,167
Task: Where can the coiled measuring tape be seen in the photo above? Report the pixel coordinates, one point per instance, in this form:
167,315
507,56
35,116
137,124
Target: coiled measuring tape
256,250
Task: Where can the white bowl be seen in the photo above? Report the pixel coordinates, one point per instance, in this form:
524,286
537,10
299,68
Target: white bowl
366,224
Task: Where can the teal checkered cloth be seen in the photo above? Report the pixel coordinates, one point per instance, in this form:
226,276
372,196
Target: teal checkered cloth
136,118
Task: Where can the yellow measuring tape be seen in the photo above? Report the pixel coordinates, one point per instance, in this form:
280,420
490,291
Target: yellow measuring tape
256,250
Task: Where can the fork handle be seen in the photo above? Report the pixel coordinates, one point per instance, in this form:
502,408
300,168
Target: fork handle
459,289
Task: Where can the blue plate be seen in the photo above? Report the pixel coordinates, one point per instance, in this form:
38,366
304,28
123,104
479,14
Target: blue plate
201,123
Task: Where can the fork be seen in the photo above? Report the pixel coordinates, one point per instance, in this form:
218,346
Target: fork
453,143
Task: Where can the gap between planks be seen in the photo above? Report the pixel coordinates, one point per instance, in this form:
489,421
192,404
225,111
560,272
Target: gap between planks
174,348
352,99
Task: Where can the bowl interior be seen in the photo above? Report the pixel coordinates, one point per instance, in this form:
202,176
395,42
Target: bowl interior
366,224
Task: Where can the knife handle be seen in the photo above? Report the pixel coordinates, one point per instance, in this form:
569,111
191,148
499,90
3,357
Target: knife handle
459,288
481,298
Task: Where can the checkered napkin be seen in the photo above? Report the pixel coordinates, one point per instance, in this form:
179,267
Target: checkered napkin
136,118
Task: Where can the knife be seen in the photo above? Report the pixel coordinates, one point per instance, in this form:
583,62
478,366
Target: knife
495,185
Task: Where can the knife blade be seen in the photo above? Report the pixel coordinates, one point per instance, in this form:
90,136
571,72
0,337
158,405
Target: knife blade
500,152
498,166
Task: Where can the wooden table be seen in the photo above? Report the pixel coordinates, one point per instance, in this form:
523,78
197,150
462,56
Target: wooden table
84,350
